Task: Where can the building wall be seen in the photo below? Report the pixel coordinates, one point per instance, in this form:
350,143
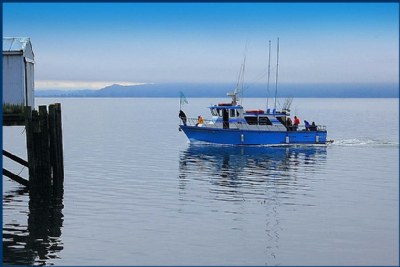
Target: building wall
18,72
30,79
13,79
28,52
30,85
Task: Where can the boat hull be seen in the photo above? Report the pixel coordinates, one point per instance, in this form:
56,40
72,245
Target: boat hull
252,137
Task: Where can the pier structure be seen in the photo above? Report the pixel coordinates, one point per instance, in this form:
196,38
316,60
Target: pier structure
44,151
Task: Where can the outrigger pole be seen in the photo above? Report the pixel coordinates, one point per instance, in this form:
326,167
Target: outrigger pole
276,80
244,66
269,69
180,101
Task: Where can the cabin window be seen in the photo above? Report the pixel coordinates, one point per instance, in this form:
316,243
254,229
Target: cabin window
282,120
264,121
232,113
251,120
214,112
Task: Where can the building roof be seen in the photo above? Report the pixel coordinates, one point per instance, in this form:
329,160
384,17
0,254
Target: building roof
15,43
18,45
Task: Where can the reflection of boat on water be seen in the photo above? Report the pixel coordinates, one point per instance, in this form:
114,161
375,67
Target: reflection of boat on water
251,183
256,151
249,168
247,161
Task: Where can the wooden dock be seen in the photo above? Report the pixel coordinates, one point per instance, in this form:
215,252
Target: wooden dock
44,150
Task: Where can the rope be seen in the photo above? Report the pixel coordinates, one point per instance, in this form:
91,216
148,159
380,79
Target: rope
21,171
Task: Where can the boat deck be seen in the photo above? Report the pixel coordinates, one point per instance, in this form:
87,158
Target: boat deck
251,127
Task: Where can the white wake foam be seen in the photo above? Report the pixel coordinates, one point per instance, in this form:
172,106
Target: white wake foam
364,142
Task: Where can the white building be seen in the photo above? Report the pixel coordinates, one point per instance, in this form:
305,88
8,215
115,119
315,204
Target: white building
18,71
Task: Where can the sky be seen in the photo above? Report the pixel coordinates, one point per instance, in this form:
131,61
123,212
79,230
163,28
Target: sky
91,45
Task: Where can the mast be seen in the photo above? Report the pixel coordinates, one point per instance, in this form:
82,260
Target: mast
269,69
276,80
244,65
239,85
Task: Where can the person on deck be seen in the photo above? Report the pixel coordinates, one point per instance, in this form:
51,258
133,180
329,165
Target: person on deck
289,124
296,123
313,127
182,116
199,121
307,125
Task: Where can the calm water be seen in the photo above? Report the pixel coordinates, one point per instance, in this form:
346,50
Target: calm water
137,193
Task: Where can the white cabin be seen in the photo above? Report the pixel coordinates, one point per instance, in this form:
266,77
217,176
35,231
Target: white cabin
18,71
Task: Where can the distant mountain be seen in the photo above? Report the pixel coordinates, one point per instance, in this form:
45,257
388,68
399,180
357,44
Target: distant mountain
165,90
220,90
65,93
144,90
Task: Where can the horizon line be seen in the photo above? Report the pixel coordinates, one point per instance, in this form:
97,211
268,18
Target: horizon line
51,85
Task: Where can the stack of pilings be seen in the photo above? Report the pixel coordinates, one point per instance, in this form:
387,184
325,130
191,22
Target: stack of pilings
45,151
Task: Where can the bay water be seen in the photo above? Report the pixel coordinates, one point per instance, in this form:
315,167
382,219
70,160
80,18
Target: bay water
136,192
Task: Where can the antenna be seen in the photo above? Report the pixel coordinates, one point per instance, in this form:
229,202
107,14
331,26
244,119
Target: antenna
238,81
238,92
244,65
276,80
269,68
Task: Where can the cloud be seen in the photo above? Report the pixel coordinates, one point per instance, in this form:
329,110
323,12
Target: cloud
74,85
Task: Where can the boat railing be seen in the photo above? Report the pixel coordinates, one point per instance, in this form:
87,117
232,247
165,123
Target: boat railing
206,123
245,126
302,127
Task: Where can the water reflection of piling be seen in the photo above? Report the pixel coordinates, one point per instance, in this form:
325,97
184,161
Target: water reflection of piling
39,241
44,226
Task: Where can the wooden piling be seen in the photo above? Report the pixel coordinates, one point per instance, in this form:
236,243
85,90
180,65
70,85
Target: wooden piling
40,181
56,149
29,139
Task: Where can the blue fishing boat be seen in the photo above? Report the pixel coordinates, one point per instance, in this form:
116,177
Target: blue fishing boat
231,124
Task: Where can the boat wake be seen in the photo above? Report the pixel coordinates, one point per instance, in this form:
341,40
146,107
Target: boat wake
364,142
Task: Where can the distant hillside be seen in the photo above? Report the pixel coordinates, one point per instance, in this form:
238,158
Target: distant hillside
220,90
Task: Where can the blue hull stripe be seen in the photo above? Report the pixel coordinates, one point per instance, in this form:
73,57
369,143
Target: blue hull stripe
250,137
